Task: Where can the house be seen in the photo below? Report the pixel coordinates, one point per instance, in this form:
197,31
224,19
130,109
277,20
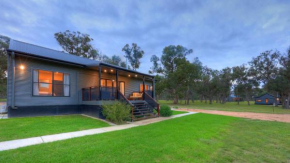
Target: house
233,98
265,99
43,81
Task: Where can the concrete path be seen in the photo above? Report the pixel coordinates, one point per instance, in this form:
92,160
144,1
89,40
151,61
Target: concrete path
259,116
13,144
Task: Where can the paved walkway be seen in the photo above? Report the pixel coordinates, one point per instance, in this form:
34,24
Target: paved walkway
13,144
259,116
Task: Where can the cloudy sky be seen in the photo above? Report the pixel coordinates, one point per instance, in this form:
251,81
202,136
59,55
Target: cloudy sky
221,33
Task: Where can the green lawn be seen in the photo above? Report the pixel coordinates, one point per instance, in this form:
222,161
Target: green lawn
193,138
178,112
229,106
18,128
2,100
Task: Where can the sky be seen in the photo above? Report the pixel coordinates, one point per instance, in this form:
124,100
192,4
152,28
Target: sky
223,33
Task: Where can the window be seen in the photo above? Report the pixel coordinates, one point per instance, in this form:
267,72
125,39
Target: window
147,87
108,83
258,100
48,83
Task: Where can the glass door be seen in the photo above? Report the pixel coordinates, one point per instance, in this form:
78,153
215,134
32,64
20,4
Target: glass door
122,87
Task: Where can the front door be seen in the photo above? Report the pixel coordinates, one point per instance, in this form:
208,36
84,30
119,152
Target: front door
122,87
267,100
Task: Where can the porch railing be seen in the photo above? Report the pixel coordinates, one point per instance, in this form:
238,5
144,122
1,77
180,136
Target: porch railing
94,93
154,104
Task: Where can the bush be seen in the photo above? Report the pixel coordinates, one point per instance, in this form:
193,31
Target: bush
117,112
165,111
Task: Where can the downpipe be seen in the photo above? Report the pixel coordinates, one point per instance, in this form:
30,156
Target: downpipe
13,82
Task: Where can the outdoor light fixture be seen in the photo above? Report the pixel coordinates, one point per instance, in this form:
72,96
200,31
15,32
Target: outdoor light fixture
136,75
22,67
129,75
105,70
111,70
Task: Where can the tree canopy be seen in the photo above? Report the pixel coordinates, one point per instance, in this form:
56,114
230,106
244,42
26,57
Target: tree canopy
77,43
133,53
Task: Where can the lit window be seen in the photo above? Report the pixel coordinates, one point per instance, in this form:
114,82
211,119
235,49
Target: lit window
48,83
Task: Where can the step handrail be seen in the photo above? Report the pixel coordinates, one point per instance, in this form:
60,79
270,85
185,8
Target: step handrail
128,102
156,103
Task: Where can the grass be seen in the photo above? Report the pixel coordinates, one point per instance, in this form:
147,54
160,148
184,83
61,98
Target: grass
178,112
229,106
193,138
3,100
18,128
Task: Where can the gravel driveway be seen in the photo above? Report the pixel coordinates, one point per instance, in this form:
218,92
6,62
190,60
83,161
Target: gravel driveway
259,116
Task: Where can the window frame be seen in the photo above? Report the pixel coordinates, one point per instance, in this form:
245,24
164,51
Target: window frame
32,81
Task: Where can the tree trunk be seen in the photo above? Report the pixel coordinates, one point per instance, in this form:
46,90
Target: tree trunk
175,101
288,100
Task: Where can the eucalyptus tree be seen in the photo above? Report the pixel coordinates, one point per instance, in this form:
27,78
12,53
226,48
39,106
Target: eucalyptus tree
265,66
4,43
114,60
174,67
77,43
133,53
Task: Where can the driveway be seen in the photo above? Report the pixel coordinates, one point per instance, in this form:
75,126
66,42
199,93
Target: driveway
259,116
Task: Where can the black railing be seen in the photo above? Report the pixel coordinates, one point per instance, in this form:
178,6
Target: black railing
150,93
108,93
93,93
152,102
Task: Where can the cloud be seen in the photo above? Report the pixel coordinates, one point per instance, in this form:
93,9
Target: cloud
221,33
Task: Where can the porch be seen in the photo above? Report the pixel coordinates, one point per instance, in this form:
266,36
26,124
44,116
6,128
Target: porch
130,87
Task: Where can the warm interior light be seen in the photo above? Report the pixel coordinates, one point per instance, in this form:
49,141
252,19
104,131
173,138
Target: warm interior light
22,67
105,70
129,75
111,70
136,75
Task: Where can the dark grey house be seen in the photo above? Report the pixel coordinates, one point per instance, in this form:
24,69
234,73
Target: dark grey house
43,81
265,99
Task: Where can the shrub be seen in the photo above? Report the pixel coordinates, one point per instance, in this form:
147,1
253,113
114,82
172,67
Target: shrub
117,112
165,111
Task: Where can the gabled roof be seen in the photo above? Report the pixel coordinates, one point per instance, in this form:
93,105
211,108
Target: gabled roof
36,51
264,95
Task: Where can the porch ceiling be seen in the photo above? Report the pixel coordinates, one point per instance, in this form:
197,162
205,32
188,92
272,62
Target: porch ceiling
125,72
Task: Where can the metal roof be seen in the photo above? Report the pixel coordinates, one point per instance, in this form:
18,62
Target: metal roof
42,52
39,51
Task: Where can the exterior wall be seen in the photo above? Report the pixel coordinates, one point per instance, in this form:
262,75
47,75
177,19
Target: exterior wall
263,100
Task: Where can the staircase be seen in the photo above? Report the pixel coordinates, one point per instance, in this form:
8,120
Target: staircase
142,110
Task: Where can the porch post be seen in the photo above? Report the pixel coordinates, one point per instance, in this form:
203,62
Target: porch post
143,87
117,84
153,89
100,92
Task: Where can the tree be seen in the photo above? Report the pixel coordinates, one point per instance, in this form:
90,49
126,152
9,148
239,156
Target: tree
245,82
285,77
265,66
114,60
133,54
77,43
174,66
4,43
